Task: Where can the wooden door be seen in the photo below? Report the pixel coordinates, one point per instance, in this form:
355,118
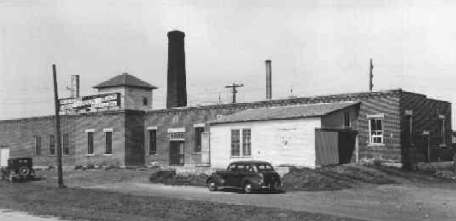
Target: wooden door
326,147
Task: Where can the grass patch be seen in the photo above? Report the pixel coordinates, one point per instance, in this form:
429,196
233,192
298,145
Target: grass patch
75,203
332,178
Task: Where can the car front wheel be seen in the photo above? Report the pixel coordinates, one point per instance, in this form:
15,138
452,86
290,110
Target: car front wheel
211,185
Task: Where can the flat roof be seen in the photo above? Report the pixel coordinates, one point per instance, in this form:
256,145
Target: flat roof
284,112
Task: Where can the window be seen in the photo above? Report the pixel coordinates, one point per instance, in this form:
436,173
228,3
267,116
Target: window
246,143
152,142
37,145
236,142
198,132
442,130
66,144
90,142
346,119
376,131
51,145
108,143
145,101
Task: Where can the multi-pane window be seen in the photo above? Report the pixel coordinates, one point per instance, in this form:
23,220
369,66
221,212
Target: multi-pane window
108,142
152,142
376,131
51,144
239,140
246,142
89,142
66,144
198,132
37,145
346,119
235,143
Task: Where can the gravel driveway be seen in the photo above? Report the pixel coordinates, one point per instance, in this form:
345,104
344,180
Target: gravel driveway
376,202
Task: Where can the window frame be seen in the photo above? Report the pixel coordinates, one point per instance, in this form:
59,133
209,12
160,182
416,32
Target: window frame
198,131
240,142
52,144
106,142
149,130
37,145
90,142
381,131
67,144
347,120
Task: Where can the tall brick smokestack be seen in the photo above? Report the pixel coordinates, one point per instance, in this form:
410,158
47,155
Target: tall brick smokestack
177,89
268,80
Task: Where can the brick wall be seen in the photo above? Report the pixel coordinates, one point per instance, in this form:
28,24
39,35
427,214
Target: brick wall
425,117
18,136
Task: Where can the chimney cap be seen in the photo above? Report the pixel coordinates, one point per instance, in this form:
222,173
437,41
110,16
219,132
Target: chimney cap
176,34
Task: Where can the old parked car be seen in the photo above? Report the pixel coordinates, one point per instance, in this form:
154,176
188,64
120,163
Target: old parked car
18,169
247,176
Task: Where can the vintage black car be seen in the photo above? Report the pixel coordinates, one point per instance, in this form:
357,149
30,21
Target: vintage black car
247,176
18,169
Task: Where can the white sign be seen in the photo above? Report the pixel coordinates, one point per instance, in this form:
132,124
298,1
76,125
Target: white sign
92,103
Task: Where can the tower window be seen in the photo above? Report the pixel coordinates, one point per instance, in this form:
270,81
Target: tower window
145,101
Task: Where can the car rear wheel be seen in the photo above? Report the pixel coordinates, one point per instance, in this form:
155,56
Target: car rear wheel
247,188
212,186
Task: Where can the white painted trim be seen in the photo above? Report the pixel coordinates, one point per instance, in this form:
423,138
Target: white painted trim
89,130
199,125
382,115
152,128
90,155
176,130
108,130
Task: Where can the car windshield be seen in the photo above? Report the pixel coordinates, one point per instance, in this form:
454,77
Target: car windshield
264,167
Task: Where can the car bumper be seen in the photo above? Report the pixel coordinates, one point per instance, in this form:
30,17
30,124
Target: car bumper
271,187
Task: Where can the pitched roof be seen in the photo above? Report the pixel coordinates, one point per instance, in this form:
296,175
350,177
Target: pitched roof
284,112
125,80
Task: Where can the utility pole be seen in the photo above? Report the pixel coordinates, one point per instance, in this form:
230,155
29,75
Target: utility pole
57,129
371,76
234,90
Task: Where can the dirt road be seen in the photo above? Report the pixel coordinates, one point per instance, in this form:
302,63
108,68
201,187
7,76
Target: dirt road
377,202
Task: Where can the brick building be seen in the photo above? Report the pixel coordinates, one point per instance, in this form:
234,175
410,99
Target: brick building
394,125
119,127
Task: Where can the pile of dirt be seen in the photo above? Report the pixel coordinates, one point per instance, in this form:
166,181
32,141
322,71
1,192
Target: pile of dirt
169,177
332,178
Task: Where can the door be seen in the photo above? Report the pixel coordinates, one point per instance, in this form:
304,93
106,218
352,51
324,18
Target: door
205,152
176,153
4,156
326,147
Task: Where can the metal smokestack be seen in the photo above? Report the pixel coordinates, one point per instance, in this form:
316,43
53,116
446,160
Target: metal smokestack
268,79
177,89
74,86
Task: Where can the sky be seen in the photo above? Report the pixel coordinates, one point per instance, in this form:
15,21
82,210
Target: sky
316,47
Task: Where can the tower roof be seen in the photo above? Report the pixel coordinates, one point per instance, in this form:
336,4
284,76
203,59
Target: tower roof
125,80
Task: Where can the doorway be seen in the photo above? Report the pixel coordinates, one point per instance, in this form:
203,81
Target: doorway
4,155
176,153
